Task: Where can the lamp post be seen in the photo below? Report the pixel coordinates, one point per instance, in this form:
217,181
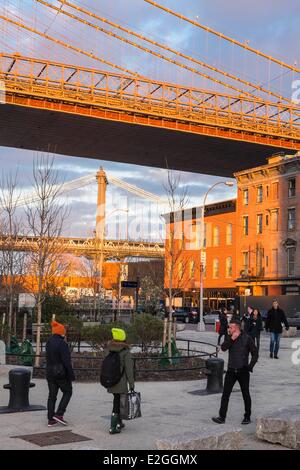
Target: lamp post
201,324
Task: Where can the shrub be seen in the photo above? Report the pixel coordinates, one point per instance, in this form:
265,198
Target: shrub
148,330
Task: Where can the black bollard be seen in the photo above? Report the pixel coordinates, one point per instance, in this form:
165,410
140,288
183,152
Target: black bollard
19,385
215,370
214,373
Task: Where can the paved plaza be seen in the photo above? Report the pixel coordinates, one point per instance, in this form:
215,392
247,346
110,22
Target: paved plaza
167,407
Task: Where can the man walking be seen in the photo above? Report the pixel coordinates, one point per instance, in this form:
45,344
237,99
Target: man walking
275,318
239,345
59,374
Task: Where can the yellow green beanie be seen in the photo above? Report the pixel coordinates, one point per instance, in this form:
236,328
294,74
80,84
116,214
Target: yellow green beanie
118,334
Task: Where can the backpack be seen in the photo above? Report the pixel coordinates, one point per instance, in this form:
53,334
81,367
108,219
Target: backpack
111,370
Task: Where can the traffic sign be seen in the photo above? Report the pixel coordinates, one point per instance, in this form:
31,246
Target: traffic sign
129,284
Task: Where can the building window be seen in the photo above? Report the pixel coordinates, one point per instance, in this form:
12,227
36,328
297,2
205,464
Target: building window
216,238
245,262
180,271
259,260
229,234
245,225
229,266
274,220
291,218
246,197
215,268
259,223
291,254
275,261
275,190
192,269
292,187
259,195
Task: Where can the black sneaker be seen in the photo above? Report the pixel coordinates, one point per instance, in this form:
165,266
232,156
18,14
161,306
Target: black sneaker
246,421
218,420
271,355
276,357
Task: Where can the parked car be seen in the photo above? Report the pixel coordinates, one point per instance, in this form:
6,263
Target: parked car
210,318
186,314
181,315
294,321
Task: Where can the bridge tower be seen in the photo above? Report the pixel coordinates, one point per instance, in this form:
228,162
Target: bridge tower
101,202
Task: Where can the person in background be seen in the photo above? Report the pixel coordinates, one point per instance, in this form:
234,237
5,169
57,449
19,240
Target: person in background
239,345
255,327
223,324
59,374
246,319
275,318
118,344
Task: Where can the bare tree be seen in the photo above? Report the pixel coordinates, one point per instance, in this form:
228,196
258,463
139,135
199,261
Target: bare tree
45,218
12,260
89,270
177,196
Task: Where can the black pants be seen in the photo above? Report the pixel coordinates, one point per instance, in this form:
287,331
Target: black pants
65,386
116,404
256,340
243,377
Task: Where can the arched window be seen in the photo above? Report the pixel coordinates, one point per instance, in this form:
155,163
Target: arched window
229,234
192,269
229,266
216,236
216,268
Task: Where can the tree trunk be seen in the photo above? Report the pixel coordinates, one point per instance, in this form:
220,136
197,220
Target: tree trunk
10,313
38,333
24,326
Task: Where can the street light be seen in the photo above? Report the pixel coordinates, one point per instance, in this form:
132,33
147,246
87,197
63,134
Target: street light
201,324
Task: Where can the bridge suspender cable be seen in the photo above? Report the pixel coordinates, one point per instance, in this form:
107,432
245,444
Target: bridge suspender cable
223,36
162,46
161,56
69,46
88,179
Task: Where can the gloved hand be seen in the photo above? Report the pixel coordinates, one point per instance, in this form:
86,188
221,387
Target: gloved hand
287,328
250,369
131,389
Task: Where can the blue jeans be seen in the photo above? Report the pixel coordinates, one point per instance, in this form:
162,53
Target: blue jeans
274,341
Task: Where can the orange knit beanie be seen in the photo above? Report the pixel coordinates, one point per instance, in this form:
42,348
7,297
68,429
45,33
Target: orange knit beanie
58,328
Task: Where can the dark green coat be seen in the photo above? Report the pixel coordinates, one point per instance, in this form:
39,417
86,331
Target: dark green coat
126,365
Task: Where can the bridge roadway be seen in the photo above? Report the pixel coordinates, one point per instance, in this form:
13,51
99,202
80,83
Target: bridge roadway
96,114
91,247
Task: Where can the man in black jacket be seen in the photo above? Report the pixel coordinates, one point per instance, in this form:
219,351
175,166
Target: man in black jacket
273,324
59,374
239,345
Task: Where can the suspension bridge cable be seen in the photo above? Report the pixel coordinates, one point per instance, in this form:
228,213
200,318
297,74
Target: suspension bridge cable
162,46
161,56
69,46
223,36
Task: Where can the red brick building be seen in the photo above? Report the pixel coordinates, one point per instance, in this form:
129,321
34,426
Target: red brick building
250,242
219,246
268,222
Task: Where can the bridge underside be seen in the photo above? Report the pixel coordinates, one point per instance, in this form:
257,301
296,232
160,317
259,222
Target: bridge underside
76,135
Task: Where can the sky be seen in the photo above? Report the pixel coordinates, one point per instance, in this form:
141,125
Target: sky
271,26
